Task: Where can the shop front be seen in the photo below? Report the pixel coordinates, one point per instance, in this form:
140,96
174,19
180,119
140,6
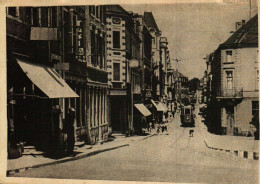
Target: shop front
35,107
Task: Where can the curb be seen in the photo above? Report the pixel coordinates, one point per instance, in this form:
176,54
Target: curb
252,155
149,136
10,172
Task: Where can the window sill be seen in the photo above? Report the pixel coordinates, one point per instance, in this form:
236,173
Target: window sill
228,62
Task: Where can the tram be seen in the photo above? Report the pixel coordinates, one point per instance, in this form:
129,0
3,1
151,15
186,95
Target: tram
187,116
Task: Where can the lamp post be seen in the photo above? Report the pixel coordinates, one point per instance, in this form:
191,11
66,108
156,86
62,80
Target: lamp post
133,63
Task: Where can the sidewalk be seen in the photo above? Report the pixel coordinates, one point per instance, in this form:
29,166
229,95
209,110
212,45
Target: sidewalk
245,147
30,161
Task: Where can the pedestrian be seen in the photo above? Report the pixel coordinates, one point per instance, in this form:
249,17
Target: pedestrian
158,128
191,132
150,126
70,130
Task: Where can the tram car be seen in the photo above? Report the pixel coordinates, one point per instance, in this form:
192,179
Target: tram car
187,116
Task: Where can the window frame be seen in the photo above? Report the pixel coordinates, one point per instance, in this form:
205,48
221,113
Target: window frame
114,72
116,45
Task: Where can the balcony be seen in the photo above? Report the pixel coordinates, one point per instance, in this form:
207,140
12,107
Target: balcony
230,94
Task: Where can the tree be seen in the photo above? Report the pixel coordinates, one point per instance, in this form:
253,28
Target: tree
193,84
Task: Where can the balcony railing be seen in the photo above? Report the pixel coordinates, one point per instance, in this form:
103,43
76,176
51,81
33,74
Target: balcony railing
230,93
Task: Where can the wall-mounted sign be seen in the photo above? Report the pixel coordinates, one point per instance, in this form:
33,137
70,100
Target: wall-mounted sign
62,66
80,38
133,63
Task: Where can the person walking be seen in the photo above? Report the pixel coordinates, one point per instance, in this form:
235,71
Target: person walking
70,130
150,126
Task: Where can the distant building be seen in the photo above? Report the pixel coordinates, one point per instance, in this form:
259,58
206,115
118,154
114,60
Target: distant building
235,77
156,34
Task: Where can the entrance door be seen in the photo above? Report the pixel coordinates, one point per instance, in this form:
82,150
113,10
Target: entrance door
117,114
230,120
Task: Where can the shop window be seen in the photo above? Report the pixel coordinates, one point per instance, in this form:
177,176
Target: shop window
116,39
116,71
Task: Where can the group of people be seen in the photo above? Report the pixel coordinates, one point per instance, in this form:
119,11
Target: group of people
163,127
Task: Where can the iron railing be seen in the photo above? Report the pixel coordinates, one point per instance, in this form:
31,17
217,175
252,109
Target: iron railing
231,93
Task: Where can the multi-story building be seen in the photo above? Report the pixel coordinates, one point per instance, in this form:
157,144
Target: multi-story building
36,92
235,78
124,67
54,45
156,34
164,65
97,77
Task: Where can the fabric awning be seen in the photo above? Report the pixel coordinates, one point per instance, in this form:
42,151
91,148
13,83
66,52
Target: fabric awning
143,109
47,80
159,106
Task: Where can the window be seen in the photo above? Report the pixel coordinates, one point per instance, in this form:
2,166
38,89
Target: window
97,11
255,108
187,111
93,46
229,56
35,17
92,10
229,79
44,17
116,39
257,79
12,11
116,72
54,17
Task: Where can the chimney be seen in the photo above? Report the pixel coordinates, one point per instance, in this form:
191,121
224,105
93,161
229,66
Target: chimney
238,25
243,22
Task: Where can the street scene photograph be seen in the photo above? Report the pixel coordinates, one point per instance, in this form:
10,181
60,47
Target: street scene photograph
157,92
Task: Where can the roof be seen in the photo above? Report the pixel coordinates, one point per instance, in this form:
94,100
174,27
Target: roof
150,21
116,9
246,36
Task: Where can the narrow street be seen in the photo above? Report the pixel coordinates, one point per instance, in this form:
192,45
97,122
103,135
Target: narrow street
169,157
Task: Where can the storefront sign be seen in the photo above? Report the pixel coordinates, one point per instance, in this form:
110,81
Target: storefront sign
133,63
62,66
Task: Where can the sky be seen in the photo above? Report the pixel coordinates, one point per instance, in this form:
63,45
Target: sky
194,30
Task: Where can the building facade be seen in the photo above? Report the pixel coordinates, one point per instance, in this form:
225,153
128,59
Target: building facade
66,46
124,67
235,82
